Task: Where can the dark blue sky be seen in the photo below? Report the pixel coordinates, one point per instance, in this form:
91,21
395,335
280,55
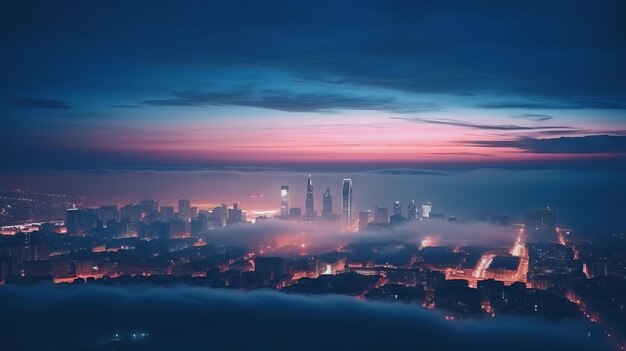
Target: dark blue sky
163,84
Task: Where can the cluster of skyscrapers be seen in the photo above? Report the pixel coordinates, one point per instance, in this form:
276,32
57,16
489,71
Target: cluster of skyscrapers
327,203
348,213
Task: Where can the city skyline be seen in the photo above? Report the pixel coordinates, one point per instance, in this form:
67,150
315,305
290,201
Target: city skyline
313,175
521,260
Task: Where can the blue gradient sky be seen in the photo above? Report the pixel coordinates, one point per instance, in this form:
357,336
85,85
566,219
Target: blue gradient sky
157,84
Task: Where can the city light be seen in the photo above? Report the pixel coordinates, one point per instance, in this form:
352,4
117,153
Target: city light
313,175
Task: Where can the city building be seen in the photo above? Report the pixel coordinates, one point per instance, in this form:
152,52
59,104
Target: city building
235,214
347,205
397,213
327,205
284,200
412,210
426,209
397,208
80,221
184,209
167,213
131,213
149,206
220,215
107,214
309,206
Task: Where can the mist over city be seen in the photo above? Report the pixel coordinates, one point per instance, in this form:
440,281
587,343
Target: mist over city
312,175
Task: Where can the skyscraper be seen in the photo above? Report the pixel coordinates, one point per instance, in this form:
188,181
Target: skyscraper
220,215
80,221
167,213
327,205
235,214
284,200
108,213
309,209
397,208
184,209
412,210
426,208
347,202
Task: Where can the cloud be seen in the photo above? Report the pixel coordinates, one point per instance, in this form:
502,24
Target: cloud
559,104
323,236
439,48
41,317
287,101
461,154
125,106
589,144
444,233
539,117
40,103
408,171
448,121
379,57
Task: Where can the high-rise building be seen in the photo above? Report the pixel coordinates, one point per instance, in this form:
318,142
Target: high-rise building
412,210
284,200
397,209
327,205
347,203
426,208
309,206
220,215
364,218
80,221
167,213
149,206
235,214
184,209
131,213
199,225
108,213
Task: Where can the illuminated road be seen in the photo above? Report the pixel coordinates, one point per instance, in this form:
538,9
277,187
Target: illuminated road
519,250
560,237
482,265
594,317
480,270
520,243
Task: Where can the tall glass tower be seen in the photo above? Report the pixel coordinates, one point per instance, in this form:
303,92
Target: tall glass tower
327,205
412,210
284,200
347,202
310,211
426,208
397,209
